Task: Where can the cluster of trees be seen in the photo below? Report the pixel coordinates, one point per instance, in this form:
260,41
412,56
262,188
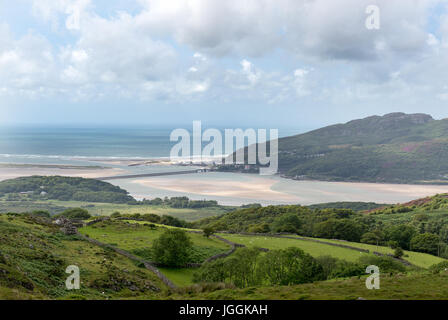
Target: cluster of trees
420,234
154,218
65,189
74,213
250,267
180,202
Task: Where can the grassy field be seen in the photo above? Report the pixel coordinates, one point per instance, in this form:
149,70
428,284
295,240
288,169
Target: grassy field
181,277
138,238
35,253
419,259
100,209
414,286
34,256
313,248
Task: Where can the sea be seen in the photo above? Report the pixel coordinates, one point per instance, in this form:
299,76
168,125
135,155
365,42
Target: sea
106,146
74,145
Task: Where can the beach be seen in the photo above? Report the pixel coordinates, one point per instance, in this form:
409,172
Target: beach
225,187
10,171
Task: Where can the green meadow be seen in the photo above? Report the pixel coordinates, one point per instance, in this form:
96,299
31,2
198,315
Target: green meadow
105,209
419,259
315,249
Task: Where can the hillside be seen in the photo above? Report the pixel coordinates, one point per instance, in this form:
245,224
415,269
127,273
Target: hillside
420,225
34,255
112,254
395,148
63,188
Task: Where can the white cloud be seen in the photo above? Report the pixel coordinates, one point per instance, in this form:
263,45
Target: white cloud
210,49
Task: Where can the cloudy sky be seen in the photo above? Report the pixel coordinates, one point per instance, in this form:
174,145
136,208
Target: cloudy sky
292,63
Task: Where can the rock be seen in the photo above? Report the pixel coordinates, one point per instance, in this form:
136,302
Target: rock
67,227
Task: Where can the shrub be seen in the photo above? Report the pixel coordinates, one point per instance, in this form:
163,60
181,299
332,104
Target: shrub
74,213
172,248
398,252
439,267
208,231
116,214
385,264
289,266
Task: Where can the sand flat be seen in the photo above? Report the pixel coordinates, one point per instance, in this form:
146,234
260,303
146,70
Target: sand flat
257,188
276,190
10,173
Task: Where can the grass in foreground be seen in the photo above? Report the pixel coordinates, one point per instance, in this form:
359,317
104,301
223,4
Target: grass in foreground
181,277
420,286
34,256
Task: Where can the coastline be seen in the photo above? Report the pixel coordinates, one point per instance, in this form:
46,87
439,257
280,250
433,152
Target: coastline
231,188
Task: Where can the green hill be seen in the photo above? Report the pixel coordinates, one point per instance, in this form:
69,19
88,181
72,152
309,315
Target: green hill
34,255
63,188
419,226
395,148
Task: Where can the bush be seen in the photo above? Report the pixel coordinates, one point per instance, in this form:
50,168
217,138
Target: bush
289,266
208,231
344,269
116,214
41,213
439,267
398,252
328,264
74,213
247,267
172,248
385,264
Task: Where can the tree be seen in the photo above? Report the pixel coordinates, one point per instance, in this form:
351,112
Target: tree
402,234
289,266
238,269
426,242
208,231
74,213
398,252
172,248
289,222
41,213
116,214
343,229
241,267
373,237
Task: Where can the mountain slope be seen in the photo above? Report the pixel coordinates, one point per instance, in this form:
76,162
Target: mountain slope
34,255
397,147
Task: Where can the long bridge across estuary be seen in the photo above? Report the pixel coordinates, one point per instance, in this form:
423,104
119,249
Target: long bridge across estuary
156,174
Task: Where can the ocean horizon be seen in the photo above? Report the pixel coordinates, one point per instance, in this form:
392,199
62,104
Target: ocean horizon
37,144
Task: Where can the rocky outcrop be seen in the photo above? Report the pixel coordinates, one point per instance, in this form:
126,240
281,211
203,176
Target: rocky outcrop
67,227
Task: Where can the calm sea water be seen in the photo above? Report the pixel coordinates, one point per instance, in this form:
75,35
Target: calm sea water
61,145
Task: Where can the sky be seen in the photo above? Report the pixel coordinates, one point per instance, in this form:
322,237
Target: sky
262,63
